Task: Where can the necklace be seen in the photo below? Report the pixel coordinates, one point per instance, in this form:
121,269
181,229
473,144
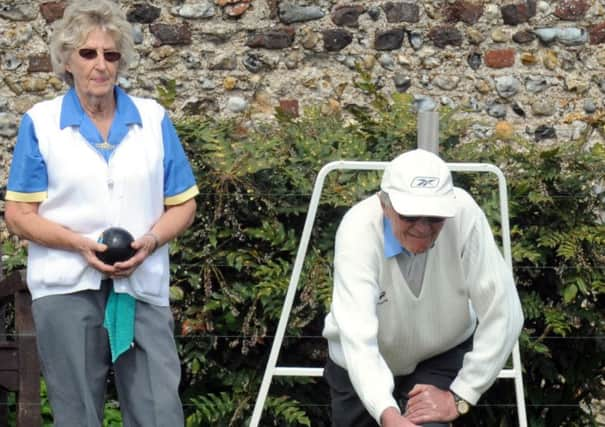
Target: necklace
105,146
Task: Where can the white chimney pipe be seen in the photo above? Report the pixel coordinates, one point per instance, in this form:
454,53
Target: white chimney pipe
428,131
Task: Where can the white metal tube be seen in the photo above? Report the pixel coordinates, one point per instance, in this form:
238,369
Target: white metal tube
428,131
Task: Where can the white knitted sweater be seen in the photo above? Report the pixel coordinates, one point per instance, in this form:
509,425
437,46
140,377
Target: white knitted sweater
378,328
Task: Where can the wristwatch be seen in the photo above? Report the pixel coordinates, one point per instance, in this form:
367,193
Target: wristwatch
462,406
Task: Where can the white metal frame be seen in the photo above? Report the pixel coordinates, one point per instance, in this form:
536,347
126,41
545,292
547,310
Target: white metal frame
273,370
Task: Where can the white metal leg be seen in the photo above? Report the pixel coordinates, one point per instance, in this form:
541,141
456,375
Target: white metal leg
272,369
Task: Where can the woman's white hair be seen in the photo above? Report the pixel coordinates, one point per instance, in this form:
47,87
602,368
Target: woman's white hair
79,19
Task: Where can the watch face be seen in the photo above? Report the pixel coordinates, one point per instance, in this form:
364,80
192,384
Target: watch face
463,407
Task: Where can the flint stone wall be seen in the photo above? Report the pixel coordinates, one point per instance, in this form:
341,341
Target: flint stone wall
529,68
523,67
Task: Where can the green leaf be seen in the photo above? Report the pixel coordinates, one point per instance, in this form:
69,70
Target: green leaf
176,293
569,293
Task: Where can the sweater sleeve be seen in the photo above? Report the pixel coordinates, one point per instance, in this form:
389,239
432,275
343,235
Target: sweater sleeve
355,296
495,300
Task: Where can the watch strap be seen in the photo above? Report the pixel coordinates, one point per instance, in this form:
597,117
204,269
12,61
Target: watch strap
462,406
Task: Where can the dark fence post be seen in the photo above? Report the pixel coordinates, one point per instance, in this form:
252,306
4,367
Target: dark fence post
19,365
3,392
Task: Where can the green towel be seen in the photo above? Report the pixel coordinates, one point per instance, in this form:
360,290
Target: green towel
119,322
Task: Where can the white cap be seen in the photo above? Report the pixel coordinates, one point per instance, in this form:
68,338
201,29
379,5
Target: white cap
419,183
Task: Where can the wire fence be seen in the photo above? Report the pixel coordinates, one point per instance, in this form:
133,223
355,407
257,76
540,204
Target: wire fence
13,335
325,405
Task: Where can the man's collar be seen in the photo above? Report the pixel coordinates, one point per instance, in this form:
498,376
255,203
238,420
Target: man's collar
72,113
392,247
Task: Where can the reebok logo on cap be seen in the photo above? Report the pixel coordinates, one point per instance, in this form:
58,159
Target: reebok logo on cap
425,182
419,183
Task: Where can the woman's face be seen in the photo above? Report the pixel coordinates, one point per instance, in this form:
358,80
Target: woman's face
94,76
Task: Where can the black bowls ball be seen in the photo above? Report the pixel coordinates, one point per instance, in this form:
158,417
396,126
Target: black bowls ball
118,243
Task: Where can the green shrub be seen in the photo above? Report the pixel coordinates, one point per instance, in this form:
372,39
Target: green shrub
112,417
233,268
558,252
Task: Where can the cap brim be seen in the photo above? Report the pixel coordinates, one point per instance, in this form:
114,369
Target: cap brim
414,205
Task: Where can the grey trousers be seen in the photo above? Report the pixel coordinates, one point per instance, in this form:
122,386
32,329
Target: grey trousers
347,409
75,362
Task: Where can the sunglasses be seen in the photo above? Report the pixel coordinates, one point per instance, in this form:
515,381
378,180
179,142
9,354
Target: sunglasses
90,54
429,219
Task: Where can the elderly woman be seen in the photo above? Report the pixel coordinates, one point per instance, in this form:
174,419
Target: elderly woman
90,159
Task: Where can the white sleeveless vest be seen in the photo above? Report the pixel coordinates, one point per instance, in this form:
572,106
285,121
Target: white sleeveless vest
87,194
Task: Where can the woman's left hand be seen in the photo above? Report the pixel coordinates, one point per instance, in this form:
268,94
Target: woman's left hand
174,220
144,246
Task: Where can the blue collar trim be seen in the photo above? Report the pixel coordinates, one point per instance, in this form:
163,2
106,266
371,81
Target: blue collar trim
72,112
392,247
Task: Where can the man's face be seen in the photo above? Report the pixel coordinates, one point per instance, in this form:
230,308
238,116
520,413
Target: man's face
415,234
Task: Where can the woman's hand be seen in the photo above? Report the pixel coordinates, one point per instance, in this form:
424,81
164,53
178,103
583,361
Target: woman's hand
144,246
88,248
174,220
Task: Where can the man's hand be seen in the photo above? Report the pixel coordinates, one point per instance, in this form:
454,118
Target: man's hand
428,403
391,417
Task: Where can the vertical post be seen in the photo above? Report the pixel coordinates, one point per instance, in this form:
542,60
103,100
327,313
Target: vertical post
3,392
428,131
28,402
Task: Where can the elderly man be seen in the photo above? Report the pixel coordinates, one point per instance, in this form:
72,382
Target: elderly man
424,311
